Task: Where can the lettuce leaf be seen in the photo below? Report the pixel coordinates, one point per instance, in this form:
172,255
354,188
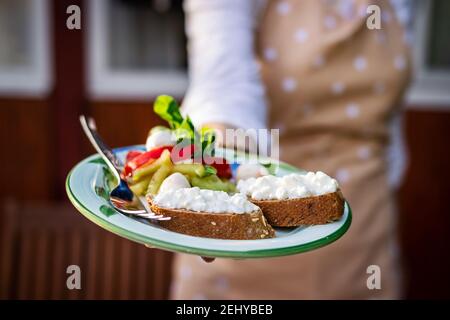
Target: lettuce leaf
168,109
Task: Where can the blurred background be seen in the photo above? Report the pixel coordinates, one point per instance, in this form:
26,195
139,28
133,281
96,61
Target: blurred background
126,53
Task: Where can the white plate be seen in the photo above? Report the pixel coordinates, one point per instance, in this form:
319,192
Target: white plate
88,186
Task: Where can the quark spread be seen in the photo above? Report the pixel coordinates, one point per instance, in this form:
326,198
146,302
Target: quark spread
202,200
295,185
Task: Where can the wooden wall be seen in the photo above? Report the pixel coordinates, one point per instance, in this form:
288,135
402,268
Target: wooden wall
28,149
425,206
112,119
39,241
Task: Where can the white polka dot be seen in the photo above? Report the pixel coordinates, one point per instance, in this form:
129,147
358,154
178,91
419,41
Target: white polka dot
360,63
283,8
400,62
330,22
222,284
318,61
352,110
337,88
199,296
364,152
270,54
301,35
342,175
289,84
185,272
347,9
379,87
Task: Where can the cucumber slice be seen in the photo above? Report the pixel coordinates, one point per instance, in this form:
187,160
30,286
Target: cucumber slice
158,178
140,188
147,170
212,182
190,169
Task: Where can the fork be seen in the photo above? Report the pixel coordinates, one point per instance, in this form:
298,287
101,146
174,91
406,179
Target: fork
121,197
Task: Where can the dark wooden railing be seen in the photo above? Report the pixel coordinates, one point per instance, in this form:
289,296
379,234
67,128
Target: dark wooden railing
39,242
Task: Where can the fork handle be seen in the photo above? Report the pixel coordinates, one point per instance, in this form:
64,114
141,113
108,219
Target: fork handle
100,146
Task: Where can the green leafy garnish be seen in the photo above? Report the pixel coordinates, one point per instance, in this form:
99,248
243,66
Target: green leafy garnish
168,109
185,131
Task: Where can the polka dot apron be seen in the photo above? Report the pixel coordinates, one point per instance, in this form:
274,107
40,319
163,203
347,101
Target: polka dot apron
332,85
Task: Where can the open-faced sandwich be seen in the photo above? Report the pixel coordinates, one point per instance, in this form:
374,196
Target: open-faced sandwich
181,178
208,213
295,199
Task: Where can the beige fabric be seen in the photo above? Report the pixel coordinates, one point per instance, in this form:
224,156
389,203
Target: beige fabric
332,85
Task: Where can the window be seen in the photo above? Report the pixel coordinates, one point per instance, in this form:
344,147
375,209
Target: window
24,49
136,48
438,54
431,54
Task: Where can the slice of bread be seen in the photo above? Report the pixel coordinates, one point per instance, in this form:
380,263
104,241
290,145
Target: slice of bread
235,226
303,211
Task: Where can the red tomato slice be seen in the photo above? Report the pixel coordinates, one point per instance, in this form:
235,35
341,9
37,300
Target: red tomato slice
156,153
132,154
144,158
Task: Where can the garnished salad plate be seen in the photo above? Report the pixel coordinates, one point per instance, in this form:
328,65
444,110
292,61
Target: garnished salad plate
227,204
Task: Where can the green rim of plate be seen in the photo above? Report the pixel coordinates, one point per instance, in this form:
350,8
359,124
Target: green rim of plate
160,244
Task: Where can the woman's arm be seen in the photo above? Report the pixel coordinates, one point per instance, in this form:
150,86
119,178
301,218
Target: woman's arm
225,85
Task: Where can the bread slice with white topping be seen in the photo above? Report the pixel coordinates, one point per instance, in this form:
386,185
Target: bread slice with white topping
303,211
233,226
210,214
296,199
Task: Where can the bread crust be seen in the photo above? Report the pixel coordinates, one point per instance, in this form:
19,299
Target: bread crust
303,211
233,226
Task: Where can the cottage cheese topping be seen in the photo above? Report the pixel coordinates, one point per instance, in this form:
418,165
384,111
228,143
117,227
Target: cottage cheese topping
288,187
196,199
